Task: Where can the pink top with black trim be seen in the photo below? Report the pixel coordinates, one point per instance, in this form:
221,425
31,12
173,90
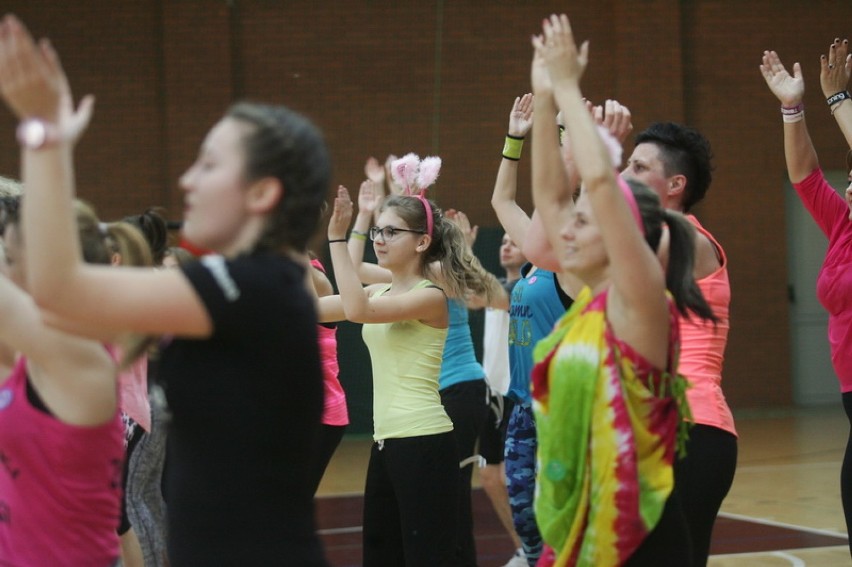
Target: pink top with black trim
60,484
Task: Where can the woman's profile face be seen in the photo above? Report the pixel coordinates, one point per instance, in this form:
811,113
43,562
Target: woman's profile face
215,189
583,252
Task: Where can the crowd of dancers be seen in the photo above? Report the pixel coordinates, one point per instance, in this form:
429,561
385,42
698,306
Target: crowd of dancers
162,409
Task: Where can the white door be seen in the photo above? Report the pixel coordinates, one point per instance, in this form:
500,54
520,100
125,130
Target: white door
814,381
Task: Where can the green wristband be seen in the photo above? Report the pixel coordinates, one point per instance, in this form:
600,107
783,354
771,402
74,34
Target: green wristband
512,147
358,235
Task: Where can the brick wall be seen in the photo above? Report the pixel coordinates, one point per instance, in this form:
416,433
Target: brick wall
385,76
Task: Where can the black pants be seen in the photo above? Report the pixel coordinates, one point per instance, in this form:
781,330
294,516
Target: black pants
410,502
467,404
846,471
703,479
329,439
668,544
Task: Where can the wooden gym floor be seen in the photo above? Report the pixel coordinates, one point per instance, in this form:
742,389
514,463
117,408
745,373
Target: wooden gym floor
783,510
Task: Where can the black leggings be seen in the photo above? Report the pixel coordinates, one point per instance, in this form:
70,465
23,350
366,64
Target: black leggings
668,544
846,471
703,479
411,502
329,439
467,405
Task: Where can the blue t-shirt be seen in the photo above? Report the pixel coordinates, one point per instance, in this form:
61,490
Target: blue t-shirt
537,303
459,362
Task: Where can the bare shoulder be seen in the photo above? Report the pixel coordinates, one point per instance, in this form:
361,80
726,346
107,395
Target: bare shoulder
708,258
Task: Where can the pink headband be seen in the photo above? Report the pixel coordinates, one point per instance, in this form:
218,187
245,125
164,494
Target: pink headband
415,176
631,202
428,207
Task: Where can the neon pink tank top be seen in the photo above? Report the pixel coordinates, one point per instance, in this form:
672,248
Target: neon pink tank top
60,484
702,347
334,411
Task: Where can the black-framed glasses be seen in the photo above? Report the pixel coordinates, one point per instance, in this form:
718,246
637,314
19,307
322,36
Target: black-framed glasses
388,232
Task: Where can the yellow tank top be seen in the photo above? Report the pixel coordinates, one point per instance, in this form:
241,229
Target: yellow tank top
406,359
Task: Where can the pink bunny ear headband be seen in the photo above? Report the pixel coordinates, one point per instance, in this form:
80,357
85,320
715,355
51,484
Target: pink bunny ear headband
415,176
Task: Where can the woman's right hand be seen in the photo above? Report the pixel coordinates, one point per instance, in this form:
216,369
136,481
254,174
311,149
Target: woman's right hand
790,89
341,216
520,118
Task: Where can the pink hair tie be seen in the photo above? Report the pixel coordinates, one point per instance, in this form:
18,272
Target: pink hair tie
631,202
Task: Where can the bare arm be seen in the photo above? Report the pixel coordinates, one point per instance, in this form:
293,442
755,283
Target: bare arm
798,148
637,293
512,217
120,299
369,200
75,377
359,305
552,193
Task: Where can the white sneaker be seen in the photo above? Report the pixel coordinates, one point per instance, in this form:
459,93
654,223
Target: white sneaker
518,559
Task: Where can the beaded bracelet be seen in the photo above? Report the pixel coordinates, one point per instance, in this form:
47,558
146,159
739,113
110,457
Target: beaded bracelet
512,147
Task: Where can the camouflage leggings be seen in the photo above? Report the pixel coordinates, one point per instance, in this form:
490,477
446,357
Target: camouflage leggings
520,478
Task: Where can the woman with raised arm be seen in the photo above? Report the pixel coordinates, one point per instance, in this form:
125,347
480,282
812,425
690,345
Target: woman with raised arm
461,381
233,373
608,401
537,301
830,211
60,425
411,495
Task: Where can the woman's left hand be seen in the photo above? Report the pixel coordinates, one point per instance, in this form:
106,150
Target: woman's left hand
34,85
836,68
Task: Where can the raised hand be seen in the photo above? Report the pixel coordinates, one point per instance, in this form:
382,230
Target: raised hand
789,89
374,170
836,68
539,77
520,119
615,117
395,188
565,63
460,219
33,83
368,197
341,216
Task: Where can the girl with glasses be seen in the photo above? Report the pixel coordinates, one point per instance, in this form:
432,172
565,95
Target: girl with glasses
412,488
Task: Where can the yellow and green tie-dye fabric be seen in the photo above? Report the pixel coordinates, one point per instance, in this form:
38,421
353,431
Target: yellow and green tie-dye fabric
608,425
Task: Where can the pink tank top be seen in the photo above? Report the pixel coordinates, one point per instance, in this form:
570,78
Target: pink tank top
60,484
133,391
702,347
334,411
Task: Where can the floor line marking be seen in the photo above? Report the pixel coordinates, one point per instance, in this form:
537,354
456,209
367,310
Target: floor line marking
338,531
765,553
817,531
